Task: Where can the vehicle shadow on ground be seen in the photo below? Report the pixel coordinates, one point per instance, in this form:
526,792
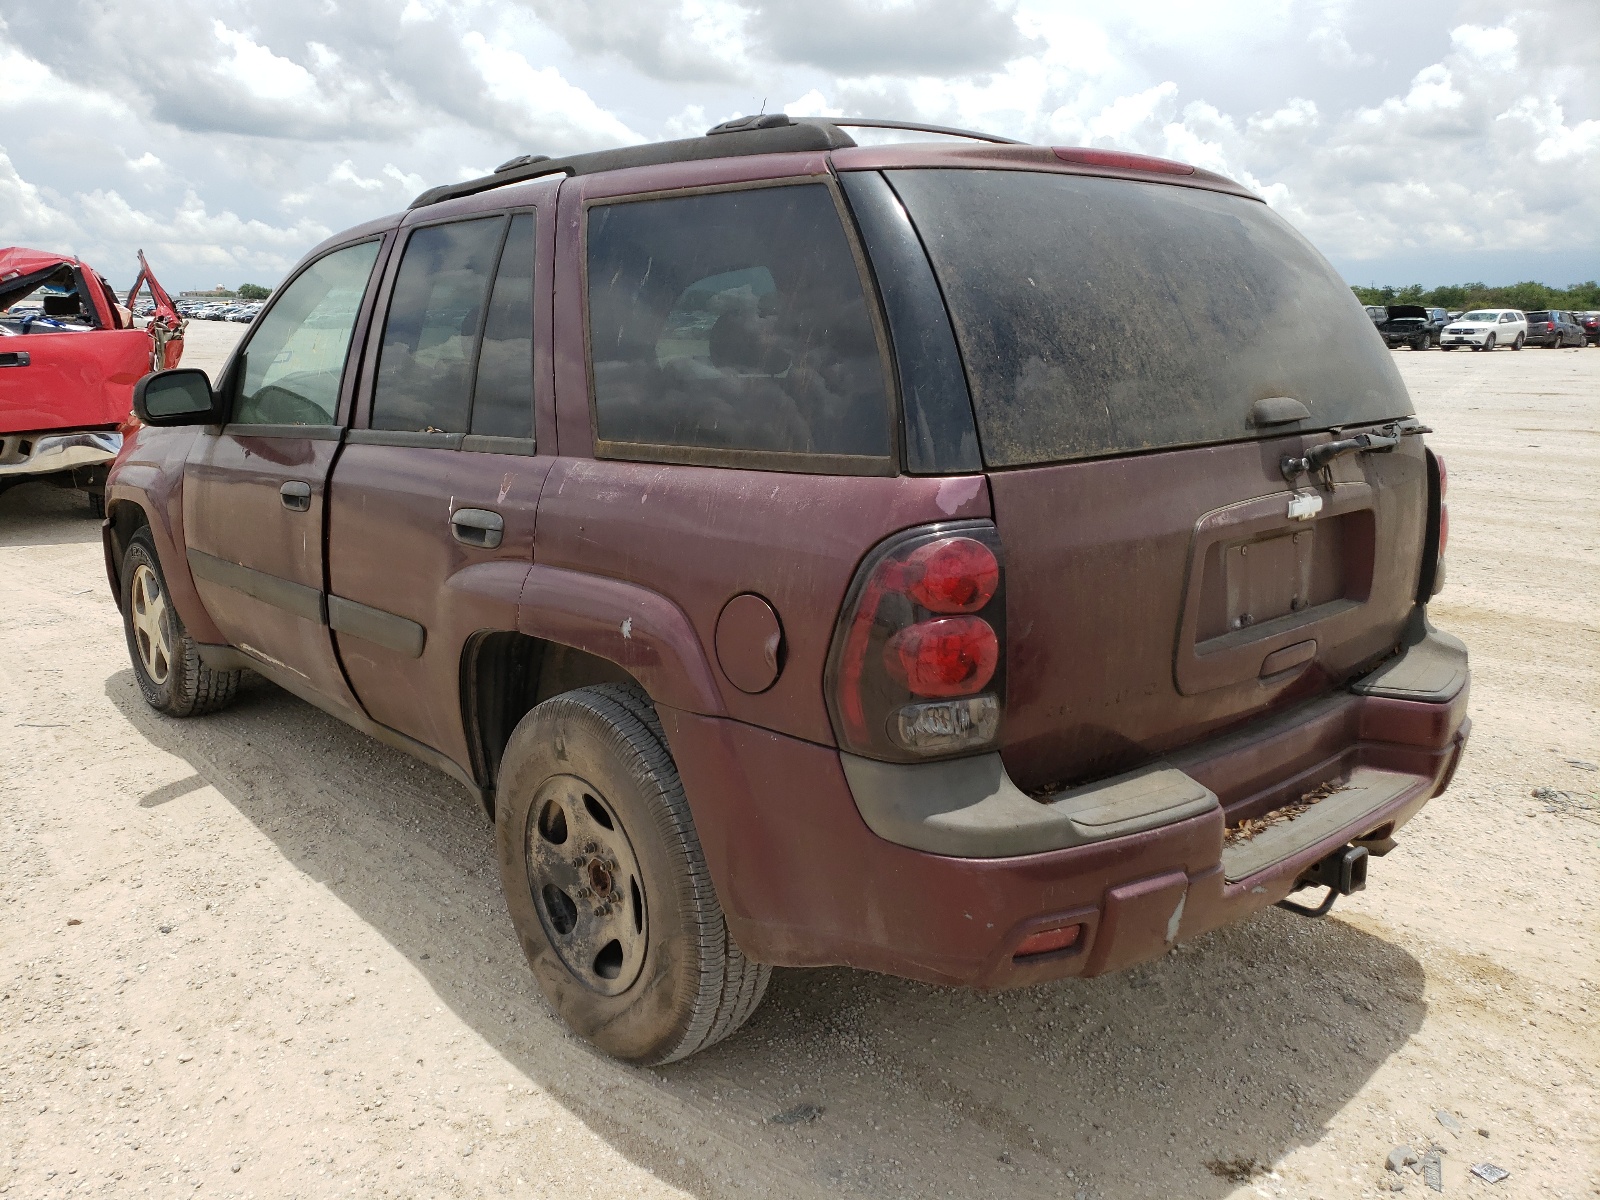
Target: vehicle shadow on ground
1189,1076
41,514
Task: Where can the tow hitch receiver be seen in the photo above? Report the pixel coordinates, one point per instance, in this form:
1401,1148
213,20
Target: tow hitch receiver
1343,872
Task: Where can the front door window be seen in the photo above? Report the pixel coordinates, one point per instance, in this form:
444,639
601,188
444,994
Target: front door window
295,357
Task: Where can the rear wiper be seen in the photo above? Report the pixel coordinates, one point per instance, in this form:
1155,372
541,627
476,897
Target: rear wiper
1384,438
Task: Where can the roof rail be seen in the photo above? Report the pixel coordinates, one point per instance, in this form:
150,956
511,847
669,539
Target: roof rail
769,138
914,127
764,133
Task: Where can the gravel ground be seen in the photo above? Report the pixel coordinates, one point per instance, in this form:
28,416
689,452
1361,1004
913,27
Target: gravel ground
260,955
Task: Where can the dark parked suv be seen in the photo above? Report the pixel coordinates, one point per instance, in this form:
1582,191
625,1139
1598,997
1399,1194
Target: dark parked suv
950,560
1554,330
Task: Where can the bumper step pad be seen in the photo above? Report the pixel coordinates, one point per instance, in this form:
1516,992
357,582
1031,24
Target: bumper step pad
1366,791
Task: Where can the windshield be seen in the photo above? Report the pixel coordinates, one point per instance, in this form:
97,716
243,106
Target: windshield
1102,316
1481,316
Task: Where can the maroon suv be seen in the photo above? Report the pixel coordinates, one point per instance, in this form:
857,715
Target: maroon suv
981,563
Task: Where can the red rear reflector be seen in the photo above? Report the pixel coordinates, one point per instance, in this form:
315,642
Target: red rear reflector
954,575
1444,531
1047,940
1444,476
1121,160
948,656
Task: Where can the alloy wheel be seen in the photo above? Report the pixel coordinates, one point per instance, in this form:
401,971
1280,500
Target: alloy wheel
587,884
152,624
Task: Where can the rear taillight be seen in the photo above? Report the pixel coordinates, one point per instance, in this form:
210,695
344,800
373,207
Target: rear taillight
1444,505
1438,535
917,665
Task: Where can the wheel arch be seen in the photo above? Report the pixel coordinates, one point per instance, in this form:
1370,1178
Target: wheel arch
574,630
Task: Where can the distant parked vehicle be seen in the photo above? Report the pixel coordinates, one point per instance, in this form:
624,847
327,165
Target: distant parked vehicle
1554,329
1486,329
1590,324
1378,313
1412,325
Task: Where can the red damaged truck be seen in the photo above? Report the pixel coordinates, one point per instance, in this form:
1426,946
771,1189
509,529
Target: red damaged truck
70,354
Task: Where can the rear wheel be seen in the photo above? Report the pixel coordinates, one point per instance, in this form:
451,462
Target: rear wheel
166,660
607,884
1517,345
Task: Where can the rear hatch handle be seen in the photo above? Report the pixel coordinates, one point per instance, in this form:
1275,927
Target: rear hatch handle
1317,458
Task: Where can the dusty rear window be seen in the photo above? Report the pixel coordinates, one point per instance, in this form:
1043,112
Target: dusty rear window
1102,316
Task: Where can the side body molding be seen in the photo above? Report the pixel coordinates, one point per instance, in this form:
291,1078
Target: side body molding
641,631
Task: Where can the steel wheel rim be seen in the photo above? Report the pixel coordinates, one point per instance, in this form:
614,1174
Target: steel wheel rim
587,885
149,615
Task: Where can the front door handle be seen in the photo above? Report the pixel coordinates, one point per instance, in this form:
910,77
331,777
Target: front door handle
296,495
477,527
15,358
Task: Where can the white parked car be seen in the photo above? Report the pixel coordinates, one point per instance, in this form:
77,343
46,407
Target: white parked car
1487,328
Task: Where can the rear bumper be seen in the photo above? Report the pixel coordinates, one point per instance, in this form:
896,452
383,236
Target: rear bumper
806,881
27,454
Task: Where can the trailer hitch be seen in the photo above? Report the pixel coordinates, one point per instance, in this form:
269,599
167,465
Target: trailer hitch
1343,873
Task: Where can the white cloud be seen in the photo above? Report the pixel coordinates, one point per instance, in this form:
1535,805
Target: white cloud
242,133
542,98
1495,48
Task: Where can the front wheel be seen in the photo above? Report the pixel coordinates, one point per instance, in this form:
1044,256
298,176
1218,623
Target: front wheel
1488,343
1517,345
1421,343
166,660
607,885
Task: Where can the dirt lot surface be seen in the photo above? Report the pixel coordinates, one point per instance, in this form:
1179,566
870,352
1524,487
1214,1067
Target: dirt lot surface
258,954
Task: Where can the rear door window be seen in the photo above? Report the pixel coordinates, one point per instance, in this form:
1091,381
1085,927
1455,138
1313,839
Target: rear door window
502,398
732,327
1102,316
424,381
295,357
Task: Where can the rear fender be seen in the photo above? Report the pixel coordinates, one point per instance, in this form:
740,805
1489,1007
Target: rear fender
639,630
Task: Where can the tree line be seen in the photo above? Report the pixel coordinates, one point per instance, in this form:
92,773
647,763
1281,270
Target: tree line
1528,296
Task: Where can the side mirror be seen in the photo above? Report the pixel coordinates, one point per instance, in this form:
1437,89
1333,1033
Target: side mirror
181,396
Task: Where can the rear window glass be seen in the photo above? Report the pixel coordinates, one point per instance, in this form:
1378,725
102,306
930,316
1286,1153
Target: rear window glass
1538,316
1101,316
733,321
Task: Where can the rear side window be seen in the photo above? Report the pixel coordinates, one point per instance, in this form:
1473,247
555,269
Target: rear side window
502,399
425,367
1102,316
729,324
295,356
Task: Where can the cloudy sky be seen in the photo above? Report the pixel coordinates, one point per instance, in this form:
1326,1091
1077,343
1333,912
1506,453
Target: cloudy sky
1424,142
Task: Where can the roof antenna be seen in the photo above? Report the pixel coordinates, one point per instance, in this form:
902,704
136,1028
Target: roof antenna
763,107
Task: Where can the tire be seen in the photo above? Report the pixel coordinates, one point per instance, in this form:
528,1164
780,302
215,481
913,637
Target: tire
1421,343
166,660
645,970
1488,343
1517,345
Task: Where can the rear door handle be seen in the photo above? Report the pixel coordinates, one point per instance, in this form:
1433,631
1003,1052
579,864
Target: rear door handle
296,495
477,527
16,358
